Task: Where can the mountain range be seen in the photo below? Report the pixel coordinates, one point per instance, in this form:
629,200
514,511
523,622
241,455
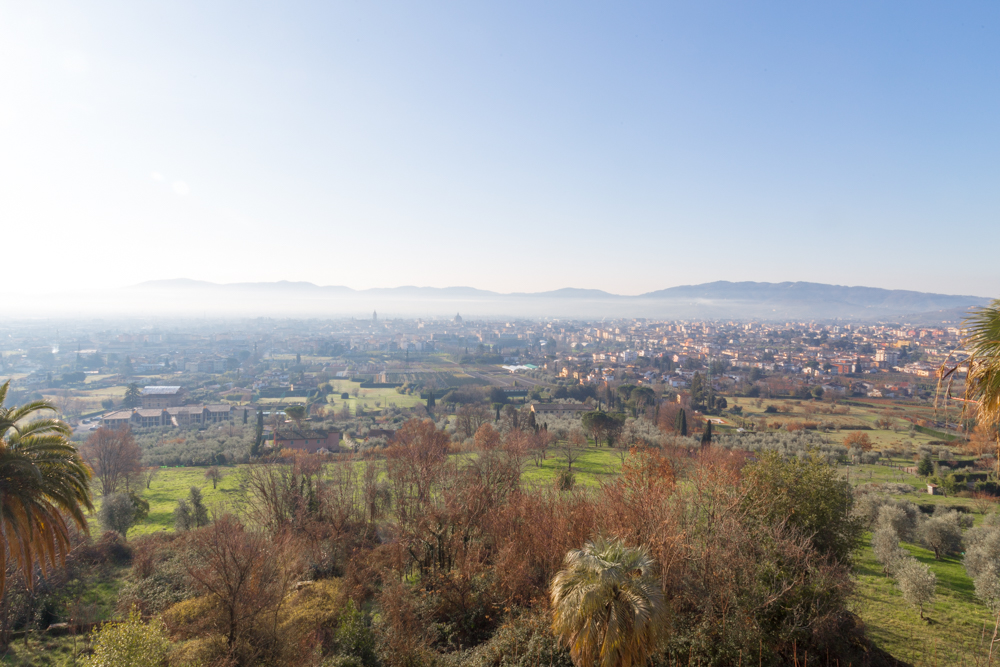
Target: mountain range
716,300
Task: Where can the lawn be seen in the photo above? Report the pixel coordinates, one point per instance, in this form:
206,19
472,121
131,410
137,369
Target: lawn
956,624
595,465
173,484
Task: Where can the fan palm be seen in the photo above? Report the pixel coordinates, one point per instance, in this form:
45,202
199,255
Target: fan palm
607,605
43,482
982,384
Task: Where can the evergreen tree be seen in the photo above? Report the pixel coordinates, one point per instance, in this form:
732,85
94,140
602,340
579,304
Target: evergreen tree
258,435
199,513
925,467
706,435
133,396
699,392
681,425
430,401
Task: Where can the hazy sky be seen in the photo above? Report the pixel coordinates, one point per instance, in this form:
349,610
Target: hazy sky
507,146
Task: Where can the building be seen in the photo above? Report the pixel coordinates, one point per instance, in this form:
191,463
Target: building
186,415
206,366
559,409
886,358
201,414
161,397
307,440
117,419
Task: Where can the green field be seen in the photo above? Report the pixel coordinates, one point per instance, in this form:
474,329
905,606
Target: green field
956,624
595,465
173,484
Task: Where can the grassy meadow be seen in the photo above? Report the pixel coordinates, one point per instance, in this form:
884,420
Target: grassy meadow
173,484
957,628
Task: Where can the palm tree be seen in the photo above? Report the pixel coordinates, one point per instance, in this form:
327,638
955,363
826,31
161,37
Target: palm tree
43,481
607,605
982,385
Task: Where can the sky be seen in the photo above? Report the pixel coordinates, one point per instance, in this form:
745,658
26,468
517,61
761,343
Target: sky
510,146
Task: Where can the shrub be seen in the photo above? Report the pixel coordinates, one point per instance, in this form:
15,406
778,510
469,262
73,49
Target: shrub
810,496
130,643
117,513
191,513
522,641
565,480
158,578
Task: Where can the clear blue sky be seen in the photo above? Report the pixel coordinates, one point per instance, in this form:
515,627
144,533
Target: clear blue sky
507,146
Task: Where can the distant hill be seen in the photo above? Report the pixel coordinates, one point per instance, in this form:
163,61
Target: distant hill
717,300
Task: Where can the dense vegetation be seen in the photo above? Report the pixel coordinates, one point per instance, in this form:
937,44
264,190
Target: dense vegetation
414,555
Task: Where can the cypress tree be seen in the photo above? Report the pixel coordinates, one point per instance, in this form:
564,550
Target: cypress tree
258,435
706,435
430,401
681,425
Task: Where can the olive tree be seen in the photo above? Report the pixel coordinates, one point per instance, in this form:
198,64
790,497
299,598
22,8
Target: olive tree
917,582
941,533
982,561
117,513
885,544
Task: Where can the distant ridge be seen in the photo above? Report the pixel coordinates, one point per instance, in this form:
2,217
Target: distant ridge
721,299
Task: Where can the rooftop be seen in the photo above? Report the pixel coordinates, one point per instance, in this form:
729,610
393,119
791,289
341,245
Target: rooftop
160,391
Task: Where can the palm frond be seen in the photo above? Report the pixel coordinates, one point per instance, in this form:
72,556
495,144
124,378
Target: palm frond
43,481
607,606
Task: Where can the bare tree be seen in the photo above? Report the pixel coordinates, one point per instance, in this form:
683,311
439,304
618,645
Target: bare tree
247,575
148,474
886,420
983,502
572,447
114,455
469,418
213,474
539,446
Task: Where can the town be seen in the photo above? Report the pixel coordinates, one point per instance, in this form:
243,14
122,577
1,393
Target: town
206,374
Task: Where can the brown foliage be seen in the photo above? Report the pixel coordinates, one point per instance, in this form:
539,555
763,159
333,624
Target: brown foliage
487,438
114,455
470,418
243,577
983,502
415,461
858,439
